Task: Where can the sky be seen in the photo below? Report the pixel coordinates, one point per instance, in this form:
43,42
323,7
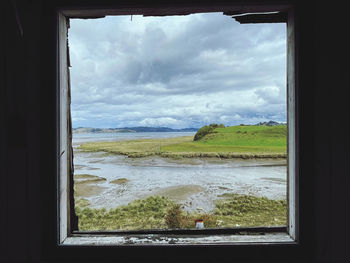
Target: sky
176,71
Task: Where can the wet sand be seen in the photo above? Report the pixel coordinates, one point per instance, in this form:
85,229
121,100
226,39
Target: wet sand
196,183
88,190
179,193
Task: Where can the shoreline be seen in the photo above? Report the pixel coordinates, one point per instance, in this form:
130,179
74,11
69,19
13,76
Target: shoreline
235,142
180,155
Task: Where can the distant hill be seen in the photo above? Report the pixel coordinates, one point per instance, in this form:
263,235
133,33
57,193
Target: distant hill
99,130
271,123
159,129
130,129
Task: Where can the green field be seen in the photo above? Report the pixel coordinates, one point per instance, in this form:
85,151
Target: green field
244,141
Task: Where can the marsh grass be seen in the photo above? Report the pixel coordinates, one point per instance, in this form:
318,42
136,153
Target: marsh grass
140,214
134,148
85,176
119,181
87,179
246,210
90,181
159,212
86,185
82,202
230,142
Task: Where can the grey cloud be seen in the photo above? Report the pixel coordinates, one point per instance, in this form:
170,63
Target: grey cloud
206,68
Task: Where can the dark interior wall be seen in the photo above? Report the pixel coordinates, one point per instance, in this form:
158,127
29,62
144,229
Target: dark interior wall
331,155
27,134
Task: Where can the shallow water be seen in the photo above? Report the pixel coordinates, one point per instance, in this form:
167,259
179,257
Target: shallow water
79,138
196,183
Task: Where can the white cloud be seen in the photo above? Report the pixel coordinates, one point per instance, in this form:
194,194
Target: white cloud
159,122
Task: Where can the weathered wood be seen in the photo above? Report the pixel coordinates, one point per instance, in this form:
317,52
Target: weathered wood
194,232
176,240
280,17
73,216
64,164
100,11
292,135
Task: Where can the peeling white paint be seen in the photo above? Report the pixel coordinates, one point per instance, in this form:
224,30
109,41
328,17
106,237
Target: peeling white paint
98,240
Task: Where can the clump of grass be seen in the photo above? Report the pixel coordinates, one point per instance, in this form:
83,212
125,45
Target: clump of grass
177,218
205,130
119,181
82,202
174,217
247,210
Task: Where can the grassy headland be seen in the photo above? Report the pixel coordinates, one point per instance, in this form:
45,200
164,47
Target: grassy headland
159,212
244,141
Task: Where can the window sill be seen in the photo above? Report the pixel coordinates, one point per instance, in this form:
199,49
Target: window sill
177,240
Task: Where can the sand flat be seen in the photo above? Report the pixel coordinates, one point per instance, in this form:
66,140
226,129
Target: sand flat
179,192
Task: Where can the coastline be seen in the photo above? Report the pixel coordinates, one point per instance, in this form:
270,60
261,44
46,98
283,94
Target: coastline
160,147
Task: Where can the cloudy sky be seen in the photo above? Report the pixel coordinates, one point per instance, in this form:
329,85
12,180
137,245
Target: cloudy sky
176,71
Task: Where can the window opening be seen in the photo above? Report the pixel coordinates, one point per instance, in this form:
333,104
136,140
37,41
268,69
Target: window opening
176,120
161,74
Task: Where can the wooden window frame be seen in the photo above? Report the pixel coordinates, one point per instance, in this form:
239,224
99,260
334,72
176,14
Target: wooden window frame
247,236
